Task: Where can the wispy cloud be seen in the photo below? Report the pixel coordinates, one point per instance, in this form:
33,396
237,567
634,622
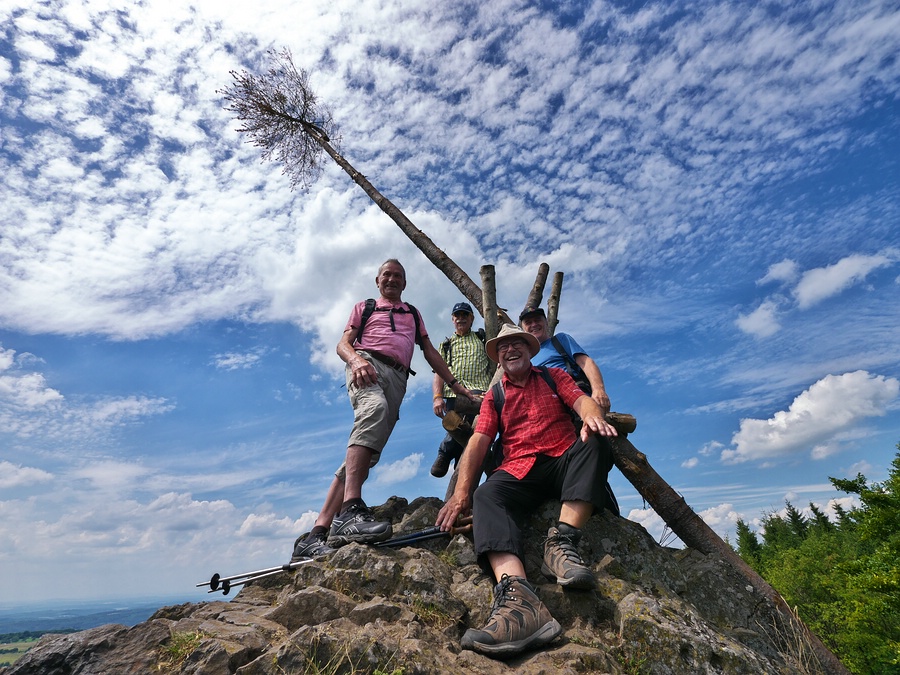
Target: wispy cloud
818,284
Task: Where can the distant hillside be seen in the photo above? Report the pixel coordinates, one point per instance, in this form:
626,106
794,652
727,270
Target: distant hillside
46,617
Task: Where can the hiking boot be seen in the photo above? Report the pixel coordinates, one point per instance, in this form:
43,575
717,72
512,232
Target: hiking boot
307,547
441,465
357,524
519,621
562,561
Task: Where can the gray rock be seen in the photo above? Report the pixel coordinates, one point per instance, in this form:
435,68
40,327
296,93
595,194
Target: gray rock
362,609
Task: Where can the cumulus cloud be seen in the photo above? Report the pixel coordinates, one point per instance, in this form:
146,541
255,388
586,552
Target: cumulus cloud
13,475
834,404
823,282
270,525
399,471
761,322
690,463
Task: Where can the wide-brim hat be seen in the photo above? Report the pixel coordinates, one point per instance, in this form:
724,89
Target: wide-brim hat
509,330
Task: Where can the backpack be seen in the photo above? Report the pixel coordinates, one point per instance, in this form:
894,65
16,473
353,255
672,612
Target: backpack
447,349
572,367
494,457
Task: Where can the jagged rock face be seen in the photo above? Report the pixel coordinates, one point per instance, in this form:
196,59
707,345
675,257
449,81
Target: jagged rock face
393,611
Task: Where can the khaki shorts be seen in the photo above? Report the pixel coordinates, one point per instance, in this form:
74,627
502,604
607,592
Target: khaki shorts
376,409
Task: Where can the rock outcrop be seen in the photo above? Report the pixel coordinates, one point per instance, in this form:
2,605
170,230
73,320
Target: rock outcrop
402,612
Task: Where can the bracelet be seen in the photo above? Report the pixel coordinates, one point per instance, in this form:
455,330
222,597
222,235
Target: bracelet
437,396
450,384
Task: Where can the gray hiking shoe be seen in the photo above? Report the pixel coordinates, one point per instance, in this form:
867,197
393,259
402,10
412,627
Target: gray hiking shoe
562,561
519,621
357,524
307,547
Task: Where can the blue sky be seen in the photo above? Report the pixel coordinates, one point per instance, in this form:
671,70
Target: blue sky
718,181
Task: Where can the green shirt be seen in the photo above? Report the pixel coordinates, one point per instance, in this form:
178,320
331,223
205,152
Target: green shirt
468,362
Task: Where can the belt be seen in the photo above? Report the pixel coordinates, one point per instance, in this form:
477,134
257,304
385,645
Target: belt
391,362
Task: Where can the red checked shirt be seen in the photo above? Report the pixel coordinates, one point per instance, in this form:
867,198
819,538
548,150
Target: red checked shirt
535,420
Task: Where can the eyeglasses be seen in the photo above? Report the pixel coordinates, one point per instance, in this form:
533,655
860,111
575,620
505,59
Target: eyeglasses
518,343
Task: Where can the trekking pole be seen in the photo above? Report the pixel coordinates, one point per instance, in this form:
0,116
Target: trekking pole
216,580
464,525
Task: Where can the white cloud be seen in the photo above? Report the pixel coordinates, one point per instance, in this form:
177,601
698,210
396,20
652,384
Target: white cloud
399,471
784,271
761,322
834,404
234,361
12,475
818,284
269,525
690,463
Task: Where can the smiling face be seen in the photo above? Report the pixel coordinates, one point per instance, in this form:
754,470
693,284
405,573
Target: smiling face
462,322
514,357
391,281
537,325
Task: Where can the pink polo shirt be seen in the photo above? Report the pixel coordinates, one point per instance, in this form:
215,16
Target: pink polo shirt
399,342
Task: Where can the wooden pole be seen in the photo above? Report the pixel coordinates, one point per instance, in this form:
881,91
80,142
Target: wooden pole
537,291
489,301
553,302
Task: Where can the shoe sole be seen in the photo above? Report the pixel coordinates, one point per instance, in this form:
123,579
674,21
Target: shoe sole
543,635
581,582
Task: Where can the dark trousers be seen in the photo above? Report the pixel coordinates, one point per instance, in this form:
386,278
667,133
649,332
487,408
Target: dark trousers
503,503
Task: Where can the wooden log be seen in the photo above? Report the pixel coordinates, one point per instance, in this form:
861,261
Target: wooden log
491,314
537,291
553,302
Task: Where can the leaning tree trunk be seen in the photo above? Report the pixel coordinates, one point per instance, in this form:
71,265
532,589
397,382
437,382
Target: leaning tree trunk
423,242
694,532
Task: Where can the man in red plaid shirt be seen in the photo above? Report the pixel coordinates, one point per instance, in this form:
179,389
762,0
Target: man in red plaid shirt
543,458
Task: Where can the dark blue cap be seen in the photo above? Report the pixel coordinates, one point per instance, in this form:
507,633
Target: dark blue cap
530,311
462,307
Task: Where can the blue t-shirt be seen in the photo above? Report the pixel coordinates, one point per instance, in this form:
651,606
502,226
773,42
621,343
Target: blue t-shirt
548,356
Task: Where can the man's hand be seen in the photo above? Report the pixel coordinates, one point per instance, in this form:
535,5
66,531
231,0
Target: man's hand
596,424
472,396
455,506
440,406
601,399
364,374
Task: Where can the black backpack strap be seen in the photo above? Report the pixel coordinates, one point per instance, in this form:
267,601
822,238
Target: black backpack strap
571,366
446,350
481,335
370,307
366,313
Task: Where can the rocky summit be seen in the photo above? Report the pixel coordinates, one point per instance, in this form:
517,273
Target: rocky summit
402,611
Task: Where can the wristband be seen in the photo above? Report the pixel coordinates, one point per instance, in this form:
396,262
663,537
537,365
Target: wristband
437,396
453,382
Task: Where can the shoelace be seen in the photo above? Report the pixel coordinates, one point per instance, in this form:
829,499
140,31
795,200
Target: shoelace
361,511
568,547
505,591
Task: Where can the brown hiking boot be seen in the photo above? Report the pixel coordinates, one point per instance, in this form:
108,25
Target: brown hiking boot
562,561
519,621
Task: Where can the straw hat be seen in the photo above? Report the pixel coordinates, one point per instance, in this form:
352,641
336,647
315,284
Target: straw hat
509,330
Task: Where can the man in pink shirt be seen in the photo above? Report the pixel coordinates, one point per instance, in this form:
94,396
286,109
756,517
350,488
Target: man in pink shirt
543,458
377,367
